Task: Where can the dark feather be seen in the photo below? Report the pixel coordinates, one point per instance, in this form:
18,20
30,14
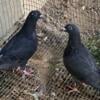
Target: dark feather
23,45
78,60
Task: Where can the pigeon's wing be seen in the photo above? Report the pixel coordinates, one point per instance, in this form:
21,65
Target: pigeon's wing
7,64
11,43
22,49
80,65
18,45
87,56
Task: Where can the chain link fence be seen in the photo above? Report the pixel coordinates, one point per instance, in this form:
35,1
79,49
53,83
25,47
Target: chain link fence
47,62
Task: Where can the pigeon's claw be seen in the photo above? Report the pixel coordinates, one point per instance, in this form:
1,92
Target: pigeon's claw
26,72
72,89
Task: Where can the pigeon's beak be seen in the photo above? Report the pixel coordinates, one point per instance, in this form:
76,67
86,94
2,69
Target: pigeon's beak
43,17
63,30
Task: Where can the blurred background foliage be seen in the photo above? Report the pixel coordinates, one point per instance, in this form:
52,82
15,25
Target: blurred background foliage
93,44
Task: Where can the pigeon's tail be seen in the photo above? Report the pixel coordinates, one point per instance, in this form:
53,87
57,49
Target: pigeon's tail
98,70
95,82
97,86
7,64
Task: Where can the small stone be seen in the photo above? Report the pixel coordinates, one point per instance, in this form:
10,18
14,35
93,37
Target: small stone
57,69
83,7
45,38
53,94
40,35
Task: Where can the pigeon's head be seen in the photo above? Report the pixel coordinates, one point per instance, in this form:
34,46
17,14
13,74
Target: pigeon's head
35,15
71,28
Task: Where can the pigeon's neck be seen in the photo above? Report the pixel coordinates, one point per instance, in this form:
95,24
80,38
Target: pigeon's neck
29,27
74,39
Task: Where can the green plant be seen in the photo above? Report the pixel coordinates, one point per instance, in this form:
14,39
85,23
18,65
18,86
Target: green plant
93,43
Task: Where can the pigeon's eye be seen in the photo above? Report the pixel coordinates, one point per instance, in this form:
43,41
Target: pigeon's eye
70,27
32,14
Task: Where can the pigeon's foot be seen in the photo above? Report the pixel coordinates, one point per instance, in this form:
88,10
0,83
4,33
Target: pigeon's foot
72,89
26,72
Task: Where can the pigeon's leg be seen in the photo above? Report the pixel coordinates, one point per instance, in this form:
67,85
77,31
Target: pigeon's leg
25,71
72,89
28,71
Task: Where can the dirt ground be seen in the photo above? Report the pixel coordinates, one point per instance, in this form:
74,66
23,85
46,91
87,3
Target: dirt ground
47,64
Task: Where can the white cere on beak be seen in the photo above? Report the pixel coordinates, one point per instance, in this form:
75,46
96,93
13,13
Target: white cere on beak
63,29
42,16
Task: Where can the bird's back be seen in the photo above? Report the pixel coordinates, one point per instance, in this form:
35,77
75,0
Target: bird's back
82,65
20,43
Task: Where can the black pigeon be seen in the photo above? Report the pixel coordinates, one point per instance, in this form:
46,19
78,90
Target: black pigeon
22,46
78,60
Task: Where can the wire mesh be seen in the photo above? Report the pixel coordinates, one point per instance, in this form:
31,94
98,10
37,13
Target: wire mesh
9,14
47,62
